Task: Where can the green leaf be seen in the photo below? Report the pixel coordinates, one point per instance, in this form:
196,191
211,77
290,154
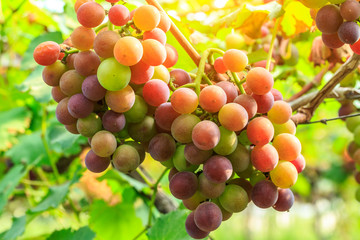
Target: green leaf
249,19
30,150
84,233
9,182
257,56
35,86
114,222
61,141
175,227
13,122
56,195
28,60
16,230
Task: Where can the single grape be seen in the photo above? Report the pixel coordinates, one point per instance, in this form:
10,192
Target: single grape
208,216
234,40
112,75
86,63
288,146
156,92
154,52
328,19
205,135
79,106
89,126
288,127
219,65
165,116
349,32
128,51
233,116
171,56
180,162
260,131
104,43
57,94
212,98
52,73
146,17
184,100
95,163
332,40
162,147
71,82
264,194
162,73
126,158
299,163
92,89
280,112
350,10
259,80
194,201
183,185
182,127
90,14
103,143
119,15
141,73
120,101
228,142
113,121
142,131
264,102
156,34
285,200
240,158
180,77
218,169
83,38
46,53
284,175
165,22
234,198
277,94
235,60
62,112
264,157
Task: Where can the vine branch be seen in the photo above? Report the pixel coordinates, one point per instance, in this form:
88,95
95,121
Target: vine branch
325,120
305,113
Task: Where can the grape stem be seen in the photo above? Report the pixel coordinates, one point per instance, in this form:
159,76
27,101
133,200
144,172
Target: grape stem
152,203
144,177
52,160
238,82
271,49
325,120
99,28
305,113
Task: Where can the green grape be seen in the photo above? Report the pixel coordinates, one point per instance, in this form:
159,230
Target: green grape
112,75
228,142
138,111
180,162
357,135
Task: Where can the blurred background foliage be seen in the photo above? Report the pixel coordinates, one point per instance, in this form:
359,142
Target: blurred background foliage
45,192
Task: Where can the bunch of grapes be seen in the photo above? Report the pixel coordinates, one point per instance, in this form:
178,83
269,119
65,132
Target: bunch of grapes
353,150
338,24
224,149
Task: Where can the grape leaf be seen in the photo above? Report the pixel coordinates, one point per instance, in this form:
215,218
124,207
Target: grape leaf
30,150
56,195
35,86
297,19
119,221
175,227
122,178
257,56
9,182
249,19
84,233
13,122
16,230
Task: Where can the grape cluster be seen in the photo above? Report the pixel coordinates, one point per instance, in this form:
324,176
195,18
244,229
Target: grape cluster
338,24
353,150
223,149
